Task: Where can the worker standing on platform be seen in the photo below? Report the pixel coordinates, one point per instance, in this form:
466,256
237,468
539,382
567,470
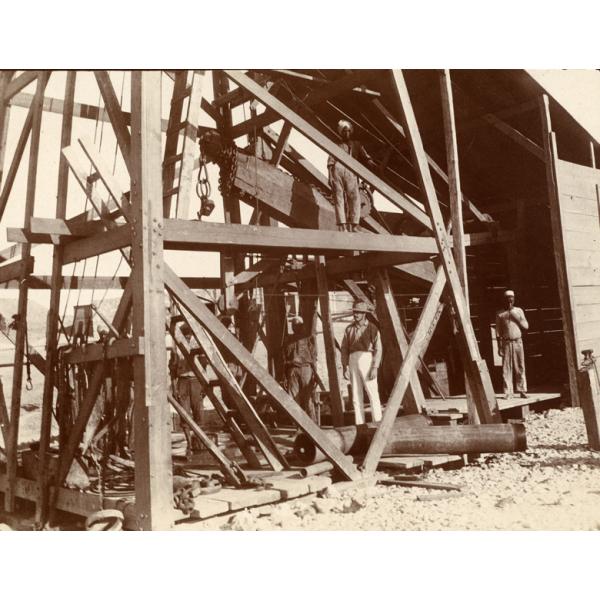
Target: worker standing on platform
361,357
510,323
299,355
344,183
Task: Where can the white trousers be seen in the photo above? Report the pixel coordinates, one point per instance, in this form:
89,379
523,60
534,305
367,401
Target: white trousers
359,364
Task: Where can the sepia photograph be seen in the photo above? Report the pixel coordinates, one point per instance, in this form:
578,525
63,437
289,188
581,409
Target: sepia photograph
299,299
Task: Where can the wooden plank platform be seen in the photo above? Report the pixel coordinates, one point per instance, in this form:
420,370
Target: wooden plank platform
231,500
459,403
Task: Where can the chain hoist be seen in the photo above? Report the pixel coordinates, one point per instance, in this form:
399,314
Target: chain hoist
203,190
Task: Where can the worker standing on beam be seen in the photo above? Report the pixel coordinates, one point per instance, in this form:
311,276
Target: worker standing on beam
510,323
344,182
299,355
361,357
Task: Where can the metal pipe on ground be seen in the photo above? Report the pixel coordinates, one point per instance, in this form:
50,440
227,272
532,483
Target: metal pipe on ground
353,439
423,439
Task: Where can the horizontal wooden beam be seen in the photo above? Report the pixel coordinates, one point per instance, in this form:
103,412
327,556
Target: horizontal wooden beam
106,241
18,83
315,97
180,234
42,282
121,348
330,147
14,271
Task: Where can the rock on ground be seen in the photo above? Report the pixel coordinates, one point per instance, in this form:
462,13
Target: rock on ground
554,485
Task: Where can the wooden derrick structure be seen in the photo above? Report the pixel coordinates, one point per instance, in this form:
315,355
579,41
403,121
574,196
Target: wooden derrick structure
453,237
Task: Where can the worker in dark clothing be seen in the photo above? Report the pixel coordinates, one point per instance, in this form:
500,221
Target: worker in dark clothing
299,356
344,182
188,389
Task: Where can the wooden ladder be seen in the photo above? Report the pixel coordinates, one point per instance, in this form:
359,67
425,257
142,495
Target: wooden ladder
178,183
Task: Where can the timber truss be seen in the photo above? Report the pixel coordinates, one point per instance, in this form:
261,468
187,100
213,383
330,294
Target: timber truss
152,215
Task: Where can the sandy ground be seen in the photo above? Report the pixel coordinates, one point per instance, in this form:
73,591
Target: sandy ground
554,485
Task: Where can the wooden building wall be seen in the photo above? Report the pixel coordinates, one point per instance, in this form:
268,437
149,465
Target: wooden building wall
579,203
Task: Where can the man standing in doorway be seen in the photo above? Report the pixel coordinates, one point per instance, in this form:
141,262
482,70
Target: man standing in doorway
361,357
510,324
344,182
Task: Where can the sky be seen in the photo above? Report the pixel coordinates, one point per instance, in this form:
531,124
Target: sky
577,90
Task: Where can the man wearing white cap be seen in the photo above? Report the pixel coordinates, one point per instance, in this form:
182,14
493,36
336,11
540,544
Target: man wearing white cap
510,324
361,357
344,182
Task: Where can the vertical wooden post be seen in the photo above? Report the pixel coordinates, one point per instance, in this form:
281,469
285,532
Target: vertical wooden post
5,77
231,206
564,289
394,341
589,389
592,155
475,366
456,207
152,420
15,407
334,366
53,311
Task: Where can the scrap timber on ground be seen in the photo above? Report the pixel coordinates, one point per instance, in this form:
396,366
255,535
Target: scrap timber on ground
466,163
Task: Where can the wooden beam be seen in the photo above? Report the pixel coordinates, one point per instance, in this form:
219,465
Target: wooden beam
20,82
296,164
94,352
172,139
96,380
227,466
262,377
67,282
458,243
180,234
21,335
395,341
475,366
186,184
341,267
334,363
16,160
281,144
514,135
313,98
14,271
107,241
558,246
115,114
482,217
152,419
230,420
82,111
5,77
4,418
456,202
229,383
229,263
328,146
407,368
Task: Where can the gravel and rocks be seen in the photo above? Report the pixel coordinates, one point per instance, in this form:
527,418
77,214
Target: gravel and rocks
554,485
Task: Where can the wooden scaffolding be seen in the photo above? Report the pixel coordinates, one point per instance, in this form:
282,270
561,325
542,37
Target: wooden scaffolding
423,244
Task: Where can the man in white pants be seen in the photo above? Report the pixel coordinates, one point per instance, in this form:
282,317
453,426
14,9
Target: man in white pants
361,357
